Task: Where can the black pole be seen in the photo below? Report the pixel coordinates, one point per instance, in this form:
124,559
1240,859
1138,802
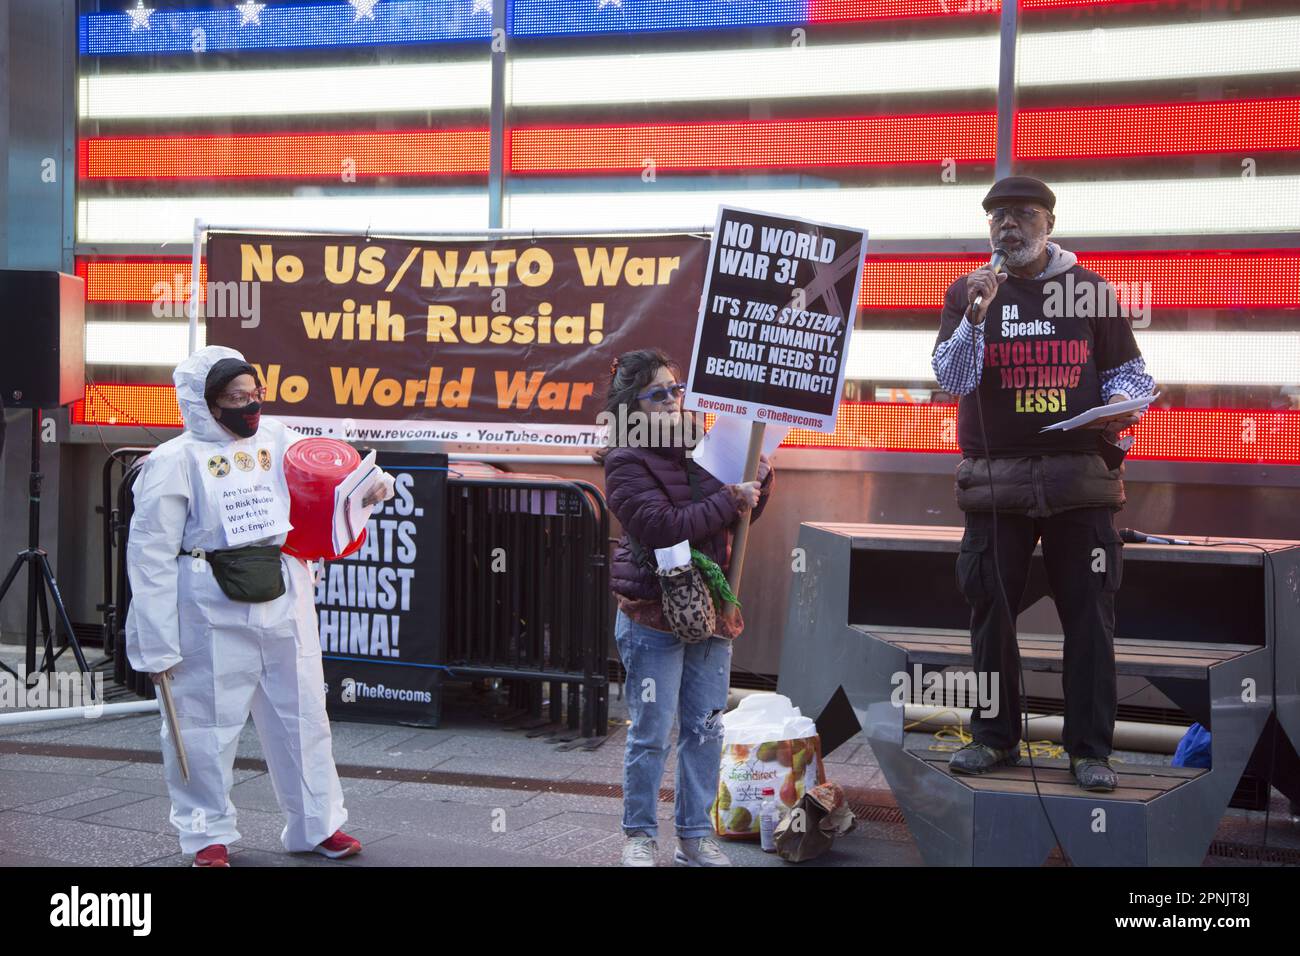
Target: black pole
39,575
1004,160
33,537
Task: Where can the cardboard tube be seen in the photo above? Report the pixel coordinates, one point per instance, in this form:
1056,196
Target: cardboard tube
88,712
1129,734
741,540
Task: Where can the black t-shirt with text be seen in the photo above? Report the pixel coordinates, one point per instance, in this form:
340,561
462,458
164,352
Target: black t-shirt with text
1045,343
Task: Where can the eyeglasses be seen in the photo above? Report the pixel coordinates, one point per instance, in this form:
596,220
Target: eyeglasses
664,393
241,398
1020,213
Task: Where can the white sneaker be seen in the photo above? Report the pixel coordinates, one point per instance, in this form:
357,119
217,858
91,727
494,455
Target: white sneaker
701,852
640,850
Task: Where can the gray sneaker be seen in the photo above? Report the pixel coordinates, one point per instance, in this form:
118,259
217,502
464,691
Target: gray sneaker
981,758
639,850
703,851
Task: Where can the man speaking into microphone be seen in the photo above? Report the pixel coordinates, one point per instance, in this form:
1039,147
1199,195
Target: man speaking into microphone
1025,349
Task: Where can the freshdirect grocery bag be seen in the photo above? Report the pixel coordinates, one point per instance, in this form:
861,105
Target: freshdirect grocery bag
766,742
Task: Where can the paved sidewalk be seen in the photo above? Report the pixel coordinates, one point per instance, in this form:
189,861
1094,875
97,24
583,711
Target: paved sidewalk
470,793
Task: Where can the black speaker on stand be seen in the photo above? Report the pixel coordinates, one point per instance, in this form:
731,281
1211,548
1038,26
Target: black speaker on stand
42,365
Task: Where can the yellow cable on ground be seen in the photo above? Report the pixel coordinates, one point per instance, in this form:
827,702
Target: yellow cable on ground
952,737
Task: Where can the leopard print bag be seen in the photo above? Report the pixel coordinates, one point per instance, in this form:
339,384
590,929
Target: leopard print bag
688,605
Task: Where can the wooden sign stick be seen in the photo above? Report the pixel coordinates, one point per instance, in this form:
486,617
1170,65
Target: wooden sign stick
169,712
738,544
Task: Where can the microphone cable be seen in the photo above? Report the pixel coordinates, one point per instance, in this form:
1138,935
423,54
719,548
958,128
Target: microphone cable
1011,620
998,258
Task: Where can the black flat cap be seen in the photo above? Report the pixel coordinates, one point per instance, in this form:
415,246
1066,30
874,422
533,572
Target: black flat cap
1020,187
222,374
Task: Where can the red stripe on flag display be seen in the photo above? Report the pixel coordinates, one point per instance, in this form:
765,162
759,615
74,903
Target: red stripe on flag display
287,155
1246,435
153,406
1243,435
1193,280
1158,129
137,280
842,141
821,11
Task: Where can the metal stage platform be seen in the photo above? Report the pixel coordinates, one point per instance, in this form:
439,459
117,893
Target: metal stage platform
1204,625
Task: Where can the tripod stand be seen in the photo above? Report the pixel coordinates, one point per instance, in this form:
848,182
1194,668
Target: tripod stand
40,578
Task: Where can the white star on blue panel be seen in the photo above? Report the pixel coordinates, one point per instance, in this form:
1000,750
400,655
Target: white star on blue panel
481,6
364,8
250,12
139,15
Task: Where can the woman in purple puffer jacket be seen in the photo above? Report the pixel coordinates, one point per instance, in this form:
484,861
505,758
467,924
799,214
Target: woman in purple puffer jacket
649,491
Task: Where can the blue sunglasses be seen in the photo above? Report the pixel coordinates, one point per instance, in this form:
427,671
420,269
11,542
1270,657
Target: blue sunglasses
664,392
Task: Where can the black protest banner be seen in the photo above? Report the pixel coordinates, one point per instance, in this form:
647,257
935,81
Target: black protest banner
779,301
380,609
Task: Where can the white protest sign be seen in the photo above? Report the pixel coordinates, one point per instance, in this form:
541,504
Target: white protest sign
246,480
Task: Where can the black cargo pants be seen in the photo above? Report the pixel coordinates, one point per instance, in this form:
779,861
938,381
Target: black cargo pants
1084,564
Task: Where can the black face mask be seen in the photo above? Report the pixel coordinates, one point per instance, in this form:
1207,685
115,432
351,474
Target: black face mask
242,421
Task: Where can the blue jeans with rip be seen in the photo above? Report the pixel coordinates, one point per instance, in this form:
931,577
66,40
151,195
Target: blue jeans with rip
669,679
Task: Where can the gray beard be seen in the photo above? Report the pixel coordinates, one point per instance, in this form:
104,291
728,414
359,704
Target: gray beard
1026,254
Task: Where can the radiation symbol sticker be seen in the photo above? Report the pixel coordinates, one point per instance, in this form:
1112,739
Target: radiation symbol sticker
243,461
264,459
219,465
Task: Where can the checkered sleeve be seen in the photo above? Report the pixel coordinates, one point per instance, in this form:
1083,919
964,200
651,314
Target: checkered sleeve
959,359
1130,380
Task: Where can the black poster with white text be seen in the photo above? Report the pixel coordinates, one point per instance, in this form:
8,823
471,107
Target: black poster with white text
772,337
380,610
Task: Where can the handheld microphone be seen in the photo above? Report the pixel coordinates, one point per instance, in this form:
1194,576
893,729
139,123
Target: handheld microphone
1129,536
997,261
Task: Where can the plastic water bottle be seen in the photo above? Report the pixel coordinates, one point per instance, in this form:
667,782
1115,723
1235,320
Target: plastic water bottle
767,821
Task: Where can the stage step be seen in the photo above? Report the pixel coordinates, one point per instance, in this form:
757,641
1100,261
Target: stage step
1203,625
1188,660
1137,784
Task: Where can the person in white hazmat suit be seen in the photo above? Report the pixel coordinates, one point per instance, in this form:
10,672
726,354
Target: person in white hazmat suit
212,506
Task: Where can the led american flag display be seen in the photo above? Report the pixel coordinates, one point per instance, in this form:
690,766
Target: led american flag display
1169,131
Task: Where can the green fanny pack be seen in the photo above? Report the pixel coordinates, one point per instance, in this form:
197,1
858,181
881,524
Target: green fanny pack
251,575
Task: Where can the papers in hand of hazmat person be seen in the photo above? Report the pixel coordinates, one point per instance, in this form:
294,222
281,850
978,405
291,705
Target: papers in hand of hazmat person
678,556
1103,411
350,515
723,449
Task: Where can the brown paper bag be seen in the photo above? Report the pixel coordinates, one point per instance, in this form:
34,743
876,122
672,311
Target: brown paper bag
811,827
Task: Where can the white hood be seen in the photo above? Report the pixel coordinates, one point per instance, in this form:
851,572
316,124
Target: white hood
190,378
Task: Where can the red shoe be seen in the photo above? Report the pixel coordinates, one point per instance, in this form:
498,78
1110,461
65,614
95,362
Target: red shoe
338,846
214,855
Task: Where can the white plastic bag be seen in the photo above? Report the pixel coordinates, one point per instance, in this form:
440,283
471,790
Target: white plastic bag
766,742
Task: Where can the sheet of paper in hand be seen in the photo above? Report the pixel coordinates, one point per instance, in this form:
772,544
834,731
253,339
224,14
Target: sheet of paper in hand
723,449
1100,412
246,479
350,515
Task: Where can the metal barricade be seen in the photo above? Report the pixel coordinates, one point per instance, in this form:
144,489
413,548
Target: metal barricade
528,593
118,509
